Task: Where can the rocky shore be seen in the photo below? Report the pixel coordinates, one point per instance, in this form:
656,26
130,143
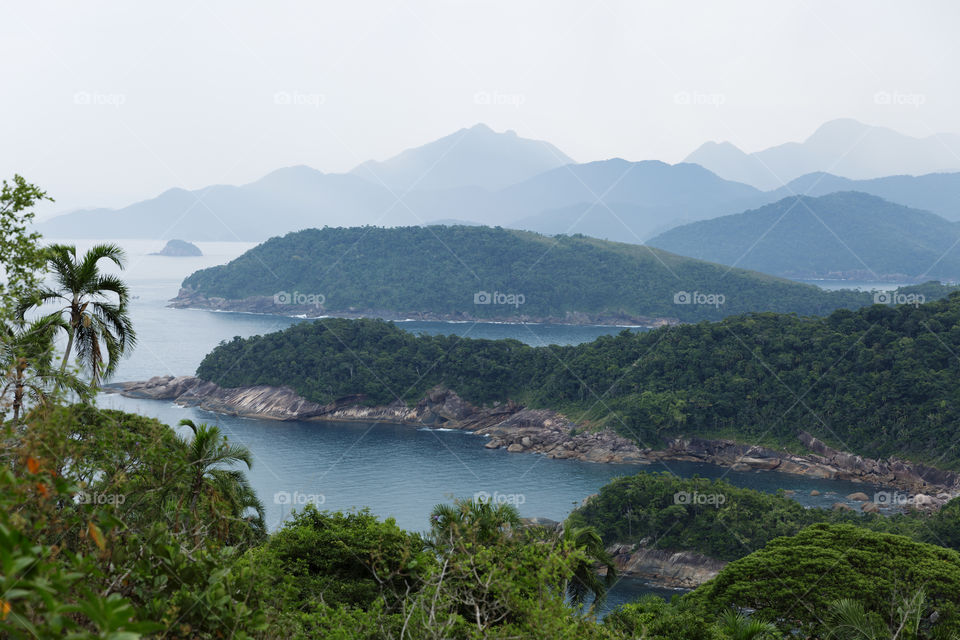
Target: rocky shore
671,569
189,299
520,429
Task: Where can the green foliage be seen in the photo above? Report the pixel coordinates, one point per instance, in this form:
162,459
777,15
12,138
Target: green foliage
438,269
796,580
93,306
727,522
348,559
878,381
21,257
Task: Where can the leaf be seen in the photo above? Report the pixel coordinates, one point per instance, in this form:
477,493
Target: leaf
96,535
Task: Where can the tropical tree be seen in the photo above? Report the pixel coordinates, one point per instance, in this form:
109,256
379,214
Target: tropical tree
586,581
482,521
736,626
26,356
94,306
228,490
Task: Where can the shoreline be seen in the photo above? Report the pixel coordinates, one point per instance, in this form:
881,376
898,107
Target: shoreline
265,305
520,429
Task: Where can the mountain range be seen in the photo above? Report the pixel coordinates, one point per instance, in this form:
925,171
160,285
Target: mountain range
842,147
479,176
840,235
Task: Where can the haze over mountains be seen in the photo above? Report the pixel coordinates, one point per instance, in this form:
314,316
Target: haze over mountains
479,176
840,235
842,147
474,157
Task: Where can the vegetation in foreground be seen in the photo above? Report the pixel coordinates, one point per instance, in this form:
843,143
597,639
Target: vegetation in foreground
113,525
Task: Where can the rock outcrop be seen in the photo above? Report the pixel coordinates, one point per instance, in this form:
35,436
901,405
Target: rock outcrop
675,569
521,429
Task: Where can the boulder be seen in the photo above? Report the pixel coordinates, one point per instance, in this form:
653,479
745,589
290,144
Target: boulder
814,493
870,507
859,496
840,506
515,448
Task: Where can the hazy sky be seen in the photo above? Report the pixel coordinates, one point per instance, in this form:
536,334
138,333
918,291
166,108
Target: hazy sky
105,103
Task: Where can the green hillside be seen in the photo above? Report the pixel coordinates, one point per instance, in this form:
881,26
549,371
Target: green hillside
845,234
446,270
879,381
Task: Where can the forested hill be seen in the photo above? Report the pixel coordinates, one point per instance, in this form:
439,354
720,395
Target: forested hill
845,234
879,381
446,271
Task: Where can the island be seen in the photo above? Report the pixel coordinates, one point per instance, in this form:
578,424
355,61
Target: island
179,249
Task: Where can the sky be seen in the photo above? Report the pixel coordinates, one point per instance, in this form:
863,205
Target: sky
107,103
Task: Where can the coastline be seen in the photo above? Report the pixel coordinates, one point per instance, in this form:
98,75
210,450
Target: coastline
187,299
520,429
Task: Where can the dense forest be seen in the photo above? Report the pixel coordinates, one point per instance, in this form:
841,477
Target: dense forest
643,509
439,270
878,381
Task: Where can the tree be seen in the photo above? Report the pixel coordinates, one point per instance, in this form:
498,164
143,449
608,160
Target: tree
737,626
585,580
26,356
93,320
483,521
206,454
20,252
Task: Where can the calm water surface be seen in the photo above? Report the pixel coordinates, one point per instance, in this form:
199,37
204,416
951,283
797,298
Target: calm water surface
397,471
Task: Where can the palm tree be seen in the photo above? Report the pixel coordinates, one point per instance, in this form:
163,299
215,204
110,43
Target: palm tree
585,580
736,626
26,356
238,502
484,521
207,453
93,320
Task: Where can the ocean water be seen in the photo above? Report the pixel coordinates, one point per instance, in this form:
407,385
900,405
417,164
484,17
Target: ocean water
396,471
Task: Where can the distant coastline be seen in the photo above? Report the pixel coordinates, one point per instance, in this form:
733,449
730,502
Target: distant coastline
266,305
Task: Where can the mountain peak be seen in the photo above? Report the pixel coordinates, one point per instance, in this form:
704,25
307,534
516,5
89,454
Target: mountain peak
477,156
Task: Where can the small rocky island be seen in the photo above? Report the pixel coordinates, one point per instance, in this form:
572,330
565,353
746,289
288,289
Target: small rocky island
179,249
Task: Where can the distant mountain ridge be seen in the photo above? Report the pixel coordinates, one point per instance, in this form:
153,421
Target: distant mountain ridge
840,235
843,147
474,157
478,176
935,192
657,195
